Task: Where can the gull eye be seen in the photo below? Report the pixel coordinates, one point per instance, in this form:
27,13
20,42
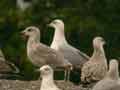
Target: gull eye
46,69
29,30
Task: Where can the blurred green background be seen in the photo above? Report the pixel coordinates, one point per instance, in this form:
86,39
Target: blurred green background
84,19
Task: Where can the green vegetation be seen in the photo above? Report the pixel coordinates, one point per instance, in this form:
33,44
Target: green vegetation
84,19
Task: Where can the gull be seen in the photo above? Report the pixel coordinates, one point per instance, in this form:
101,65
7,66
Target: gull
6,67
47,82
96,68
76,57
59,43
110,81
40,54
23,5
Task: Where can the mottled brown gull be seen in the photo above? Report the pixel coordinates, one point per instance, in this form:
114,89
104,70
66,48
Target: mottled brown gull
47,82
59,43
96,68
110,81
6,67
40,54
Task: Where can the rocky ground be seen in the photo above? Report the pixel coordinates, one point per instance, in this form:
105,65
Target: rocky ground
35,85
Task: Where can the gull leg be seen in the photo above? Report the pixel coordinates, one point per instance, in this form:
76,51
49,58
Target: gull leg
68,75
65,75
67,72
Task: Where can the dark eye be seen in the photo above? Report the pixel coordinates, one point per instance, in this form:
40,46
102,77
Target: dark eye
29,30
46,69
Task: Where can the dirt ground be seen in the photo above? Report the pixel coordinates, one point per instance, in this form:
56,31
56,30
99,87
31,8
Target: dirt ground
35,85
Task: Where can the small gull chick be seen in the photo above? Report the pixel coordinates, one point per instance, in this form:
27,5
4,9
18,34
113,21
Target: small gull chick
47,82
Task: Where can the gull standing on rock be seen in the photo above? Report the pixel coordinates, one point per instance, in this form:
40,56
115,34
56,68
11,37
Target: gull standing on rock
110,81
47,82
96,68
40,54
59,43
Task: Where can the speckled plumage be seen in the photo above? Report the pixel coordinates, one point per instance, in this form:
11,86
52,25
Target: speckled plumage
95,69
6,66
110,81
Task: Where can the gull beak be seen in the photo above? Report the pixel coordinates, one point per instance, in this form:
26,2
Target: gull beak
23,35
38,70
104,42
50,25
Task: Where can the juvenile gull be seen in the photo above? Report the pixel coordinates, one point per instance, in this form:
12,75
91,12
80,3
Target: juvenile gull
96,68
47,82
40,54
6,67
110,81
59,43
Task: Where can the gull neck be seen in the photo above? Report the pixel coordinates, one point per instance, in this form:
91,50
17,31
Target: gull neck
47,81
113,73
99,53
59,37
34,39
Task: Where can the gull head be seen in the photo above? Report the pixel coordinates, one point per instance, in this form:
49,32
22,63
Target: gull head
113,69
113,65
45,70
57,23
98,42
31,31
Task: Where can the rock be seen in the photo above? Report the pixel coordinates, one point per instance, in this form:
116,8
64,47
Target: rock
35,85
